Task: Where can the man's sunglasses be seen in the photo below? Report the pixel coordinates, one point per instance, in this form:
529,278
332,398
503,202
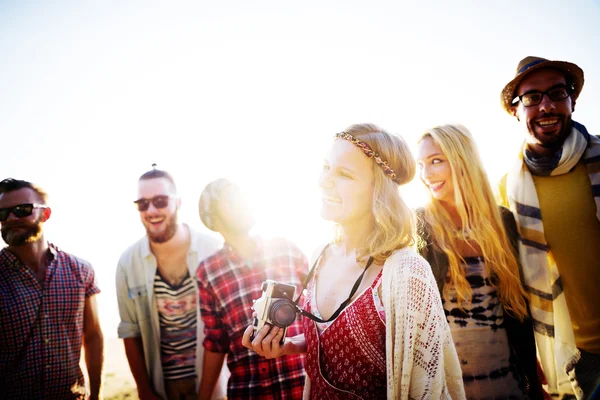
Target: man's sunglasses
19,211
555,93
160,201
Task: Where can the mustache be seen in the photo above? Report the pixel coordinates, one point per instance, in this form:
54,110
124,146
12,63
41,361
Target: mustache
549,115
12,225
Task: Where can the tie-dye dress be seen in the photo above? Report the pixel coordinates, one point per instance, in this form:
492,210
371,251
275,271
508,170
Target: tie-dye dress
480,337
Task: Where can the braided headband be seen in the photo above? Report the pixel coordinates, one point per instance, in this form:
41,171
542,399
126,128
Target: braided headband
371,154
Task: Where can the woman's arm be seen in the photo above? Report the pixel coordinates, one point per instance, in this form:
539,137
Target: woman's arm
421,357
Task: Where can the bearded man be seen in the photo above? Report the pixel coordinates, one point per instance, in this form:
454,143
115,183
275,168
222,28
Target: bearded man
47,306
553,190
157,296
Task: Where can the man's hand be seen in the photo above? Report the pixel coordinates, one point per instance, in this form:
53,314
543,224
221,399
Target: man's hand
134,351
148,394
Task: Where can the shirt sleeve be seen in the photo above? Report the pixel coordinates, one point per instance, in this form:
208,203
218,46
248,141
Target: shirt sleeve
90,281
216,339
128,326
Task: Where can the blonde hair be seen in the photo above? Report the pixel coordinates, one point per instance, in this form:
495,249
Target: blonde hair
394,222
480,217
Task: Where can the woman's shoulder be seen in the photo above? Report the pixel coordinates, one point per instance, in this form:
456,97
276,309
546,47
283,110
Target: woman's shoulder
505,212
408,261
317,251
406,272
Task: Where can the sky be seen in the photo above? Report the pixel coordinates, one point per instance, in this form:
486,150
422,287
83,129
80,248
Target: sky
93,93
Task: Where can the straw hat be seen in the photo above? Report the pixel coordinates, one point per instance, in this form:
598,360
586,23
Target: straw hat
530,64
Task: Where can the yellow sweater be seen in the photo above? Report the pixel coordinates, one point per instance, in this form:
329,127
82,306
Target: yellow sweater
572,232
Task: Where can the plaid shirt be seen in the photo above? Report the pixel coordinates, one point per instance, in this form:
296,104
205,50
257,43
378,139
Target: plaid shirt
53,317
227,285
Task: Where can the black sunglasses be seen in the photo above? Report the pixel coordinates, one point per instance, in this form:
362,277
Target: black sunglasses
19,211
555,93
160,201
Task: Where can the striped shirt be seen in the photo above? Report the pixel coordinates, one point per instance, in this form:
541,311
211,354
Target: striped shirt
177,316
46,366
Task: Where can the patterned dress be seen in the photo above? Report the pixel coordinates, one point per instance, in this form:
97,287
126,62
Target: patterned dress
480,337
347,360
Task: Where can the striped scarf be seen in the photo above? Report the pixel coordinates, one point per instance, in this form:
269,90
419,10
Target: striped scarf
552,324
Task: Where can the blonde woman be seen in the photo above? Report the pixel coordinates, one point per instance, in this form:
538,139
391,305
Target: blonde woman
470,243
374,327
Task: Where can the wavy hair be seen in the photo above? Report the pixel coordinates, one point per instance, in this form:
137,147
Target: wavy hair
394,222
480,217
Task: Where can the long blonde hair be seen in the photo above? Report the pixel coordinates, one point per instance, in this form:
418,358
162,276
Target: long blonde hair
480,217
394,222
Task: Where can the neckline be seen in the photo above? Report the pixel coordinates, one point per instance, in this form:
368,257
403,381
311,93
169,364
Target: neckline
174,287
315,306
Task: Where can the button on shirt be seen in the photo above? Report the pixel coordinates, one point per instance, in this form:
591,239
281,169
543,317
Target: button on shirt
227,285
46,366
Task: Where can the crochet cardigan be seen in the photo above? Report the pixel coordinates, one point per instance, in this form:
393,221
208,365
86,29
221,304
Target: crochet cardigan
420,356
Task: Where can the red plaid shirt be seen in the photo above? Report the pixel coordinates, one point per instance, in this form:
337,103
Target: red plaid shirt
49,368
227,285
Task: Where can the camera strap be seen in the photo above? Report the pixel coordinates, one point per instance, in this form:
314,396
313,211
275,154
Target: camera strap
343,305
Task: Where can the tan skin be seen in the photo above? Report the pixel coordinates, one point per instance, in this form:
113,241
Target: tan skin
171,257
36,256
347,185
466,248
549,123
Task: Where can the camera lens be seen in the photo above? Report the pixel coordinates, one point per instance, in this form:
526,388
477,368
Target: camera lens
282,313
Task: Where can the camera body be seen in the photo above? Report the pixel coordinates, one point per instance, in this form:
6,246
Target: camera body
275,307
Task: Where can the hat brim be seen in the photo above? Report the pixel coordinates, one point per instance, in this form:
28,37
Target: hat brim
570,69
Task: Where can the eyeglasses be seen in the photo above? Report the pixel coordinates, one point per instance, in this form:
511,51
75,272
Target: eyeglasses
555,93
160,201
19,211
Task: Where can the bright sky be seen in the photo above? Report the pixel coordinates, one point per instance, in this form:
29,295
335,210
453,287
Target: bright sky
92,94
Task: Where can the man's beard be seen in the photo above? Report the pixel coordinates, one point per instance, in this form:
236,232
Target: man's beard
165,235
21,234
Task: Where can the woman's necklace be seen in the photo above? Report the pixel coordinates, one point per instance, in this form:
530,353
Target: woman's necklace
462,234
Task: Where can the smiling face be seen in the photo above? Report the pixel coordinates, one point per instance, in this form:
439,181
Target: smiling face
347,183
160,223
549,122
435,170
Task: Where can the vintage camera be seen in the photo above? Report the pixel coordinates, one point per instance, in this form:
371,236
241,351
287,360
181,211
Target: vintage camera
275,306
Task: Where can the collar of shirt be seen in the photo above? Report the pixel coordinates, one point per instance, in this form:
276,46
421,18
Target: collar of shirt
237,260
14,262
